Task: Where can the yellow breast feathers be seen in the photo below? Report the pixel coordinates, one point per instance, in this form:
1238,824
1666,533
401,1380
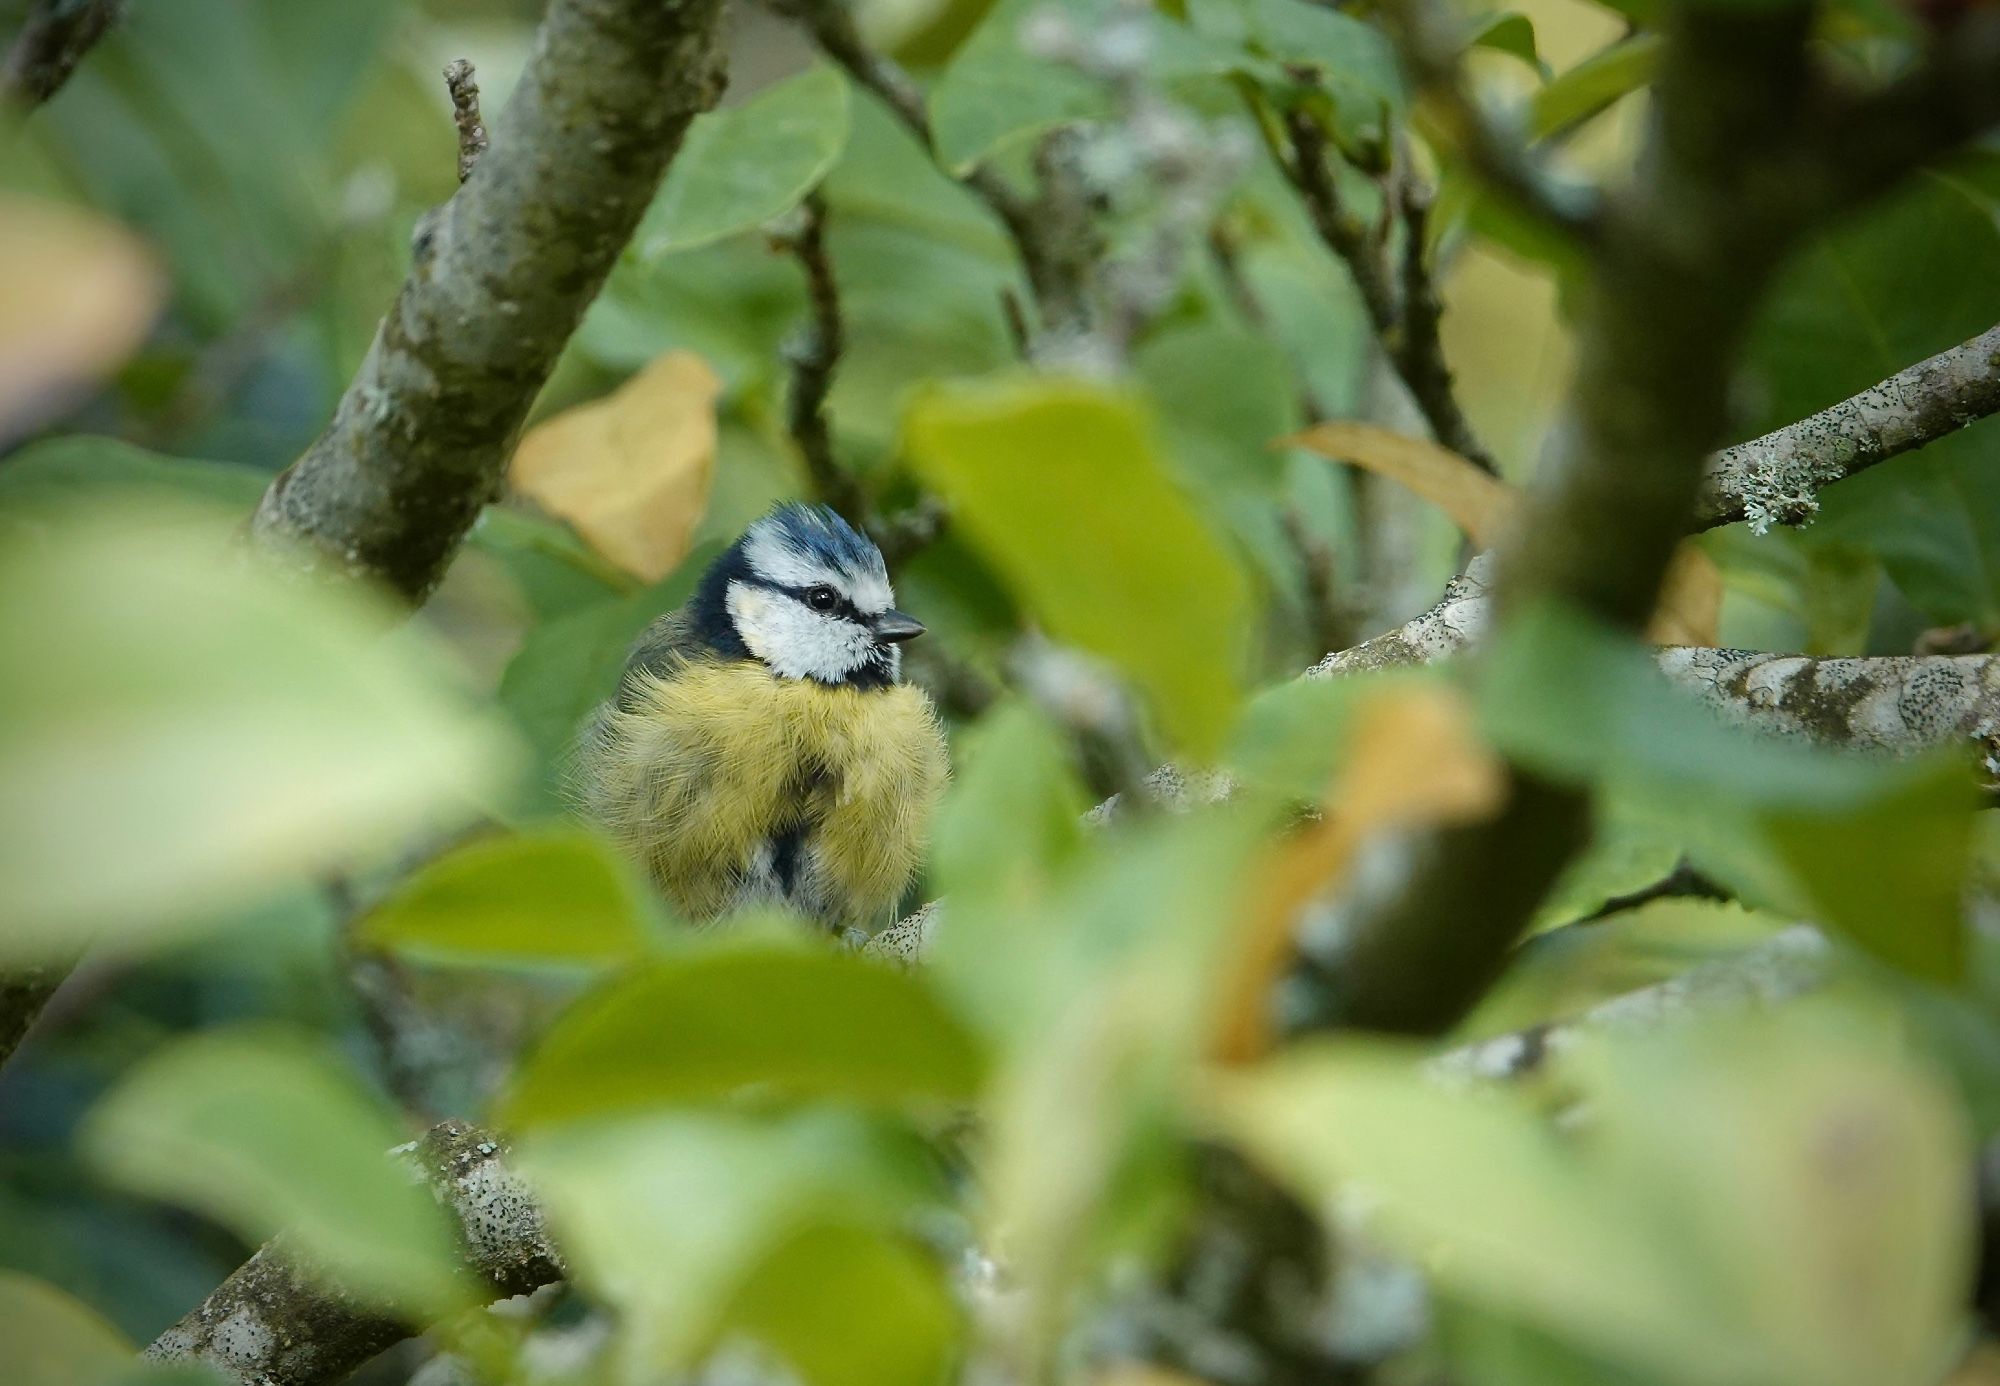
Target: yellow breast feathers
729,783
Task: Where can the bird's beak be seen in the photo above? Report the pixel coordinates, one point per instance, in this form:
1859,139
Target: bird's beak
894,627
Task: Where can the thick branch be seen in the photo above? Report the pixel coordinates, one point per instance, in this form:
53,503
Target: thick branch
50,45
500,278
275,1323
1776,479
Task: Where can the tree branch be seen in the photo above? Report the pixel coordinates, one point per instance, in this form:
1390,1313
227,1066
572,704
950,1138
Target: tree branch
501,277
51,43
277,1322
1776,479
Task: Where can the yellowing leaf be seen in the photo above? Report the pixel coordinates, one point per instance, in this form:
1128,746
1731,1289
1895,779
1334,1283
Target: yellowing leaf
52,1340
1062,486
77,293
1478,502
1484,506
630,472
1414,761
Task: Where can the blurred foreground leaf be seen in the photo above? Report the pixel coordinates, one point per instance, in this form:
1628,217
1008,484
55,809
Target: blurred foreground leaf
671,1219
264,1133
850,1307
77,295
51,1339
1061,485
630,471
742,166
553,897
1776,1199
795,1020
180,732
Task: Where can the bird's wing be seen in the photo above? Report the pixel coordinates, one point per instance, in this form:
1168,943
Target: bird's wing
669,641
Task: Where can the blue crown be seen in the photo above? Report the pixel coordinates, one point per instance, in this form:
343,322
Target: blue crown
814,531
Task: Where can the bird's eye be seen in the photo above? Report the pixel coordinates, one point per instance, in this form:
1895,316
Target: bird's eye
821,598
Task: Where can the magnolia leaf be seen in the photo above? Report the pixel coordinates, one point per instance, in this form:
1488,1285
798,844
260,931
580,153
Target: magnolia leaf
560,896
77,295
1061,485
743,166
1484,507
630,472
266,1134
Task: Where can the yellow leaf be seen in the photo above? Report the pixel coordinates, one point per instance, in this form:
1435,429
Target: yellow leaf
630,472
1690,601
1483,506
77,294
1414,761
1479,503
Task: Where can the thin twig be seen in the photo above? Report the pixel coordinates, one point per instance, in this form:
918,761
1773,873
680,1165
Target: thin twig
1045,252
1401,302
458,80
814,356
51,43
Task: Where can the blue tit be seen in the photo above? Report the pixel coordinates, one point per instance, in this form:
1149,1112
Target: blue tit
762,747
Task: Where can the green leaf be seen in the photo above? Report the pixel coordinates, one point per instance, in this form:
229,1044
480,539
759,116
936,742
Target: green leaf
1594,84
1738,1247
553,897
264,1133
1891,875
66,472
189,733
740,167
1061,486
1344,60
1512,33
52,1340
669,1218
1911,276
850,1307
995,92
799,1021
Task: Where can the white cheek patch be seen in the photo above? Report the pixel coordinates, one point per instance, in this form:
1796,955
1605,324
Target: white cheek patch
795,641
871,593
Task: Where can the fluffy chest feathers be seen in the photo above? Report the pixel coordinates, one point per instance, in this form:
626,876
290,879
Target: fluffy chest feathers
731,784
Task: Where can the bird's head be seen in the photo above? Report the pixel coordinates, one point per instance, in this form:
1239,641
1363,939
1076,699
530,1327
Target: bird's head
807,595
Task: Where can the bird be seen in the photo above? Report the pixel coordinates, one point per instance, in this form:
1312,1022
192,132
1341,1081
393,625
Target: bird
761,747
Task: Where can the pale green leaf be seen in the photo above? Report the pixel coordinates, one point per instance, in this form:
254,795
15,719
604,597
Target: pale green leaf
1594,84
557,896
796,1021
180,732
665,1217
1062,486
849,1307
740,167
266,1134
